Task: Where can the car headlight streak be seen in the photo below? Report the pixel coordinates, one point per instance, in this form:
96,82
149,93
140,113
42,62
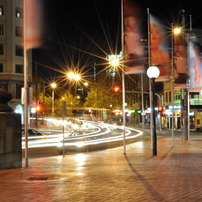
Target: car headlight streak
102,134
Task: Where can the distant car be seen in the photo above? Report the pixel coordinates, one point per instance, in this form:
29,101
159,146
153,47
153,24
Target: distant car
32,132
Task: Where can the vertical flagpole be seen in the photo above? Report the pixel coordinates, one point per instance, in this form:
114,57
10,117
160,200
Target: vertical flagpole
142,94
123,77
188,87
25,87
172,82
190,20
149,63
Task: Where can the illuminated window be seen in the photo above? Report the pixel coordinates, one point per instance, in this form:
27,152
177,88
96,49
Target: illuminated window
1,11
18,12
178,96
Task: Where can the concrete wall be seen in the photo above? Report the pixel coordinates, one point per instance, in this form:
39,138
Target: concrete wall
10,140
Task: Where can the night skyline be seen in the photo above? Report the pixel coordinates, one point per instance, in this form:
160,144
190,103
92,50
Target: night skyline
78,31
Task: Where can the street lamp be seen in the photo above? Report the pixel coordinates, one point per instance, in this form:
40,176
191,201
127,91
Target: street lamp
86,84
77,77
153,72
70,75
177,30
73,76
53,86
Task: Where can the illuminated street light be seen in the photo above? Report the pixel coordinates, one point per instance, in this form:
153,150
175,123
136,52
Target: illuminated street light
85,84
153,72
73,76
70,75
77,77
177,30
53,86
114,62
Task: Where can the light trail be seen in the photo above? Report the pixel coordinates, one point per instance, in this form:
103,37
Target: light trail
101,131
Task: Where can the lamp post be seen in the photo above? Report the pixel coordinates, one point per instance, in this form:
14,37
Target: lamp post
175,31
181,52
153,72
53,86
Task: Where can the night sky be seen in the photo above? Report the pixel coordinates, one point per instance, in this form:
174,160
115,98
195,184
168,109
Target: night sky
78,33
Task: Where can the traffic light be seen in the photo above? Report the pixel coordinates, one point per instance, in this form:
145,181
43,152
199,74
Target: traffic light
116,89
160,108
38,108
163,113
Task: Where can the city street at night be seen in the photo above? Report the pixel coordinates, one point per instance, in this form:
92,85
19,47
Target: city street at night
90,137
100,101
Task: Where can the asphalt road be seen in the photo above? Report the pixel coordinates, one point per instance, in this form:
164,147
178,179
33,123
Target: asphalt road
40,152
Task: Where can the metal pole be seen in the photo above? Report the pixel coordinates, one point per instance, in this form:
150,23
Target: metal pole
151,112
149,62
172,83
153,117
26,89
37,103
188,84
188,111
63,128
53,109
123,78
190,21
184,107
142,94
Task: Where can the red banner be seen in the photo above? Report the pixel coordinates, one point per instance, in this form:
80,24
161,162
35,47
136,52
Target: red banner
32,23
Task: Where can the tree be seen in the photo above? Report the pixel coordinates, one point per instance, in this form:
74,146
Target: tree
101,94
47,103
71,102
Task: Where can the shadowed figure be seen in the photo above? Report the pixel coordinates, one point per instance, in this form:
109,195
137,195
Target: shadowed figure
5,97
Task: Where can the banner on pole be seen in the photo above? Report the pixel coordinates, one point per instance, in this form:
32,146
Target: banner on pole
33,23
160,56
133,48
195,67
180,61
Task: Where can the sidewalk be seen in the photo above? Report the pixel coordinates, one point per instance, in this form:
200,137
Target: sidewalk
175,174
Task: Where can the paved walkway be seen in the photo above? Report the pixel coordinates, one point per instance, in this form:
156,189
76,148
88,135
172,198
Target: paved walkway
175,174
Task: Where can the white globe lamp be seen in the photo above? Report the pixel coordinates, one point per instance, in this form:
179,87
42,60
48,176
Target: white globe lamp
153,72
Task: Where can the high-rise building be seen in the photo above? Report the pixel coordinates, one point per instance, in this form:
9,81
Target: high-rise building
11,49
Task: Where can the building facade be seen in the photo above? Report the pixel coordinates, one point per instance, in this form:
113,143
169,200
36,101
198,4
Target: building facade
11,49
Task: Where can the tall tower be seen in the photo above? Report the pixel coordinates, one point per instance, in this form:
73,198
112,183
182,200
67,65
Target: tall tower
11,49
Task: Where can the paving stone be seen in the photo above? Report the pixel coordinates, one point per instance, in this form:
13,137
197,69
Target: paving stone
175,174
